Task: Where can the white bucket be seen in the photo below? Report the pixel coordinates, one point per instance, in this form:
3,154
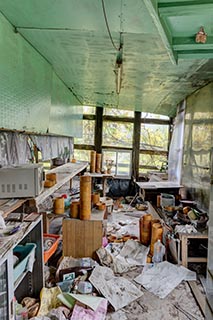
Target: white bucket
167,200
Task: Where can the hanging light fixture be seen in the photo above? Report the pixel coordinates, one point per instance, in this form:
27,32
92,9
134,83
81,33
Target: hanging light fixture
119,66
119,56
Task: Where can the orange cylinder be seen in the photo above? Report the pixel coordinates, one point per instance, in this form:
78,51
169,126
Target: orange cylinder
98,162
158,200
145,229
85,197
157,233
95,197
59,206
92,161
75,209
51,176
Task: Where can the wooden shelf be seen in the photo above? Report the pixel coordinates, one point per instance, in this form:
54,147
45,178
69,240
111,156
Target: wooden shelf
64,174
10,205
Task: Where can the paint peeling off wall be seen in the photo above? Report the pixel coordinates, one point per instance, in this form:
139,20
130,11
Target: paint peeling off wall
197,145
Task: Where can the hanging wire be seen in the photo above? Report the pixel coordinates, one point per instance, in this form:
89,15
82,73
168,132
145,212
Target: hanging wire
121,18
107,25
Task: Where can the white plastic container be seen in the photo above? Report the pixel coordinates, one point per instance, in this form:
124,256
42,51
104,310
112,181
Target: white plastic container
84,287
167,200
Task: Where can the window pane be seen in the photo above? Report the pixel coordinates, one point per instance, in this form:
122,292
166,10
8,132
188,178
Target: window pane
88,133
109,155
117,134
118,113
154,162
124,163
154,137
153,116
121,162
82,155
89,110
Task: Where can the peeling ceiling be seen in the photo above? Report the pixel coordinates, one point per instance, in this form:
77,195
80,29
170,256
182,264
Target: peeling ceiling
81,39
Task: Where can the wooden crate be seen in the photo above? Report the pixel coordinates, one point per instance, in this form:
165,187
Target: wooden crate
81,238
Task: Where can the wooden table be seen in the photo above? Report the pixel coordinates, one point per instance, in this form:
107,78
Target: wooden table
150,190
104,177
184,237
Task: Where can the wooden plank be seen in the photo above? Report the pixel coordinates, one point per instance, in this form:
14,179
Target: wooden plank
136,146
184,251
81,238
98,129
199,297
7,209
197,259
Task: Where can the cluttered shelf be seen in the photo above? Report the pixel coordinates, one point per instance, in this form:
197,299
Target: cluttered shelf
189,225
9,205
64,174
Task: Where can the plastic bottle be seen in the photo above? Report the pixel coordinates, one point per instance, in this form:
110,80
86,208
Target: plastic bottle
84,287
159,251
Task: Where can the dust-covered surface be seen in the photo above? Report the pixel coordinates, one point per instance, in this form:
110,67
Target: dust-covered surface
150,307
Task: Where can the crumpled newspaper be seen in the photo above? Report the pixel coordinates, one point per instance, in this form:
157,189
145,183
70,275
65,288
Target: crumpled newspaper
117,290
123,258
187,228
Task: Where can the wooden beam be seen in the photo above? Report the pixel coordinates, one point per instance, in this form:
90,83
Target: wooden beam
153,10
184,8
136,145
188,43
98,129
154,152
131,120
199,297
195,54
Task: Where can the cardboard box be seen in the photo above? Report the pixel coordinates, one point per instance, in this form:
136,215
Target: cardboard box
81,238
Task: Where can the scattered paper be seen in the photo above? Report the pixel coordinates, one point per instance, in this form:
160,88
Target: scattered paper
80,312
123,258
119,315
187,228
117,290
162,278
68,299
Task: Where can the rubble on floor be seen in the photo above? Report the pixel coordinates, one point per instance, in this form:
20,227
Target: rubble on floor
120,285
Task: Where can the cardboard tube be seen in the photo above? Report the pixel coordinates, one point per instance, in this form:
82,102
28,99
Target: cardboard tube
98,162
59,206
85,197
92,161
145,229
157,233
95,198
75,209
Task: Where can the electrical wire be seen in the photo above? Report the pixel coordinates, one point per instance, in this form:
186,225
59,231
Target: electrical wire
107,25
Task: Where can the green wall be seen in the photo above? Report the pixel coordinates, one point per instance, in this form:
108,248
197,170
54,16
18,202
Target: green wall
32,97
198,145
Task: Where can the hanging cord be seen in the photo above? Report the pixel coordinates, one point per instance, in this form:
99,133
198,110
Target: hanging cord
107,25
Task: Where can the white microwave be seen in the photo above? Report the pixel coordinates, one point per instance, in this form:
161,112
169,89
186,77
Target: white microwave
20,181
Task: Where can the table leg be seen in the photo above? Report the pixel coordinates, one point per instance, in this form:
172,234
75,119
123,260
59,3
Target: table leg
184,249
